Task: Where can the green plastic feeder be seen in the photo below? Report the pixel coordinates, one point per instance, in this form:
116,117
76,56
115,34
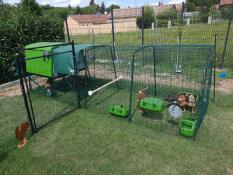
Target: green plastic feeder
152,104
187,127
118,110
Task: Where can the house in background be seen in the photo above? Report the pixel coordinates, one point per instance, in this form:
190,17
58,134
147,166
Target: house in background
124,20
85,24
161,8
226,2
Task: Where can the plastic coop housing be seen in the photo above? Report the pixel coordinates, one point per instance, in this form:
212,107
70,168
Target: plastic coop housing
50,59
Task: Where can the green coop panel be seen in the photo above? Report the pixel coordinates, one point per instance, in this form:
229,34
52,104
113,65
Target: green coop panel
118,110
152,104
43,65
187,127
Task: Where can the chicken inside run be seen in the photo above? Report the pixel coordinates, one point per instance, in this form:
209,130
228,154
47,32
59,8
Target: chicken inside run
159,82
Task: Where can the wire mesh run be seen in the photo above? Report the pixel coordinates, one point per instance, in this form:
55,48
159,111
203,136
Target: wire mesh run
157,70
105,68
163,71
50,94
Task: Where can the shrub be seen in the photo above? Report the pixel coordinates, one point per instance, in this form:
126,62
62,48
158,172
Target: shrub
149,18
167,14
20,28
162,23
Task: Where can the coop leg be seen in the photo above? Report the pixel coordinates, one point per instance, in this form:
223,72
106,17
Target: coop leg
78,91
53,85
30,83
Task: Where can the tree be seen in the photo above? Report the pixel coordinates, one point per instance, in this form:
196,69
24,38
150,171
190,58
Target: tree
78,10
102,8
113,6
214,12
149,18
1,8
163,17
60,12
202,6
193,5
225,12
167,14
20,28
46,7
31,6
160,3
92,3
90,9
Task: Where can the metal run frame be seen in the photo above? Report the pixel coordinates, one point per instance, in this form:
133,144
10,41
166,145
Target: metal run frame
206,83
25,85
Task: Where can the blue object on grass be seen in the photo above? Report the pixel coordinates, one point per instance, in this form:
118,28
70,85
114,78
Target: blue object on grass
223,74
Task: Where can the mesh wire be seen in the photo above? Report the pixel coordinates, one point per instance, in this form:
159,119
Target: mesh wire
49,108
193,31
104,68
13,113
155,72
52,97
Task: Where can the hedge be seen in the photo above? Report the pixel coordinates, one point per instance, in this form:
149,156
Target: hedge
20,28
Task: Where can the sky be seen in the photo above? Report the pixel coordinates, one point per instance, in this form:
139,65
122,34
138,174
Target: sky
82,3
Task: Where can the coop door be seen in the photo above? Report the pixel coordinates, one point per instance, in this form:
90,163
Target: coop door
41,64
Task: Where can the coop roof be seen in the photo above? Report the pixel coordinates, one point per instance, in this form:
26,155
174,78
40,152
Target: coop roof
226,2
87,19
43,45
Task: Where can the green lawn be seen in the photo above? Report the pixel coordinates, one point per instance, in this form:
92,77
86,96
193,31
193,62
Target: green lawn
90,141
87,142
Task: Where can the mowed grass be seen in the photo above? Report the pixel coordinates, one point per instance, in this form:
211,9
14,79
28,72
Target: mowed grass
88,142
92,142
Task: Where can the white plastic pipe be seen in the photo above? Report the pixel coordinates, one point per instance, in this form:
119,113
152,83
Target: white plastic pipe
90,93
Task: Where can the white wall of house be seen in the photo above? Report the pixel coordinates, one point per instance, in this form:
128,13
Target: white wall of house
121,25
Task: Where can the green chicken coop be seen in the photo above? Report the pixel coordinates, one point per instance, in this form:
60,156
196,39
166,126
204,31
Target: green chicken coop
50,59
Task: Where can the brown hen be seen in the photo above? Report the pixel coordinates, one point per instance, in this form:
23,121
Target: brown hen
20,132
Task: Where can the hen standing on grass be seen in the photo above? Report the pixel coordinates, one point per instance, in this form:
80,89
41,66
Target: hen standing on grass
20,132
141,95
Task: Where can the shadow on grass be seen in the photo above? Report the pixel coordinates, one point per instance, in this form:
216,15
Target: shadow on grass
10,145
153,115
58,117
106,98
3,155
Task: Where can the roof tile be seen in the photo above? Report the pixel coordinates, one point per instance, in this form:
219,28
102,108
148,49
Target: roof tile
93,19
